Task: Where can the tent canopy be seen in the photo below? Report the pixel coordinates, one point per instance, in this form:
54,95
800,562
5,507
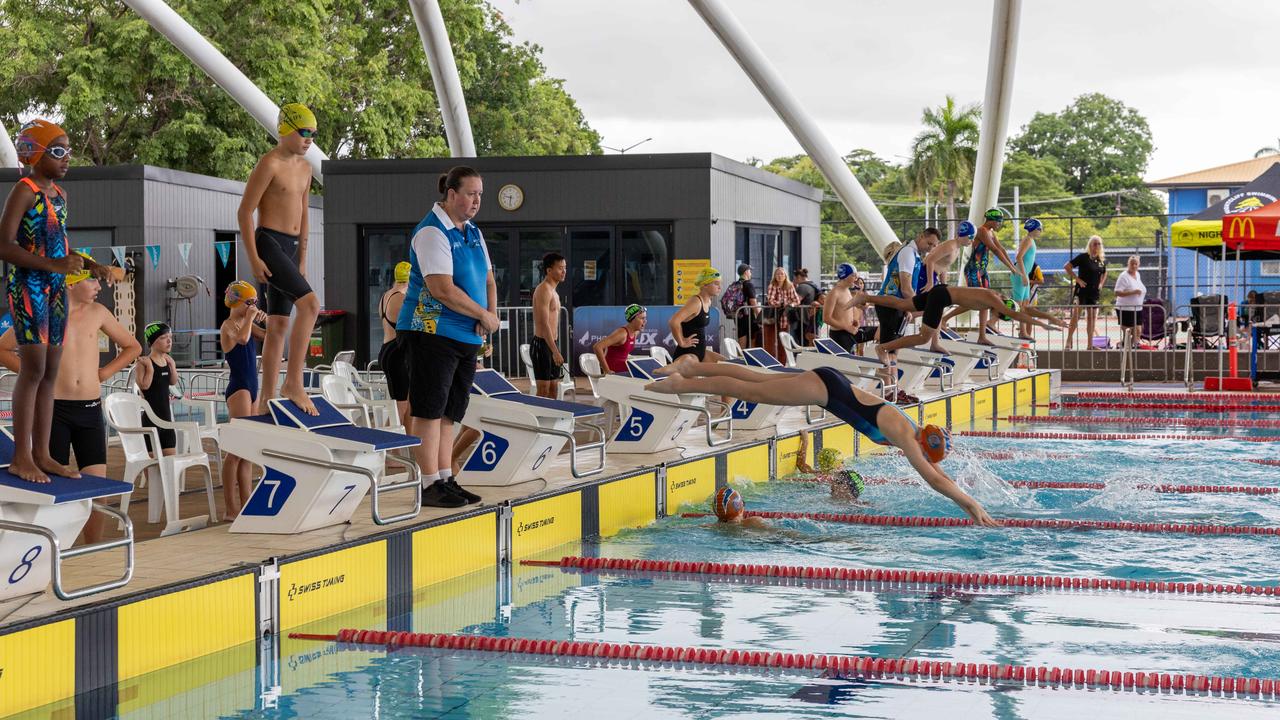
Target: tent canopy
1203,231
1253,233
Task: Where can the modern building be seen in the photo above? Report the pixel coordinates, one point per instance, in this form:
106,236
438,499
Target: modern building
171,224
624,222
1192,272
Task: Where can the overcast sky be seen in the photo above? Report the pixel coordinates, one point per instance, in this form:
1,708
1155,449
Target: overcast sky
1202,73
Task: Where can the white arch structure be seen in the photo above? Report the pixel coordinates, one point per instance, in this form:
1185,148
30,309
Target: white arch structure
444,74
8,153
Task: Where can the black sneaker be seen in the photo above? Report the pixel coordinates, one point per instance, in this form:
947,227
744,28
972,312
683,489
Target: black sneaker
457,489
437,494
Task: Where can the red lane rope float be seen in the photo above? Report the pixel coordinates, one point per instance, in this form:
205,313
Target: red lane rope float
845,665
1033,523
1211,397
1193,407
892,575
1018,435
1111,420
1263,461
1185,489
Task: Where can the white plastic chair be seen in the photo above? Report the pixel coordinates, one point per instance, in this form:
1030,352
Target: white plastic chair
124,413
661,354
732,350
790,347
566,384
527,358
363,410
590,365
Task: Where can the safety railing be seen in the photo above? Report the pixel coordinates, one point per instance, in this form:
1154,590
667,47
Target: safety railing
375,488
574,447
58,555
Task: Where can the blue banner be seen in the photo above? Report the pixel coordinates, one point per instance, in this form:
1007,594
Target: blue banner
224,251
153,251
594,322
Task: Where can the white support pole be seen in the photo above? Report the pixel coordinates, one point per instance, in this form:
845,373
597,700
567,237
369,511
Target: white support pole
751,59
241,89
8,153
995,108
1017,216
444,74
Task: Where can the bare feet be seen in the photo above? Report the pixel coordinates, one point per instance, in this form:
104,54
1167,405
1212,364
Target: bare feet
53,467
300,398
27,470
937,349
672,385
982,340
676,365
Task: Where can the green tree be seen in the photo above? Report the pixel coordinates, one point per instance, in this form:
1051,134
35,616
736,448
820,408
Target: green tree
1036,179
126,95
1101,144
944,153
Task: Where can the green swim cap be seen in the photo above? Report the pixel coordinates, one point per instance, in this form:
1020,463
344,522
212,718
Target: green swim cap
994,214
632,311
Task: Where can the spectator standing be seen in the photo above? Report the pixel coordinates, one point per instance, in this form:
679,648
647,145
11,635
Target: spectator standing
449,309
742,293
780,297
1088,271
1130,294
803,323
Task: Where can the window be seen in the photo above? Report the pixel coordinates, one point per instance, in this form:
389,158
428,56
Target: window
646,266
382,250
765,248
1270,268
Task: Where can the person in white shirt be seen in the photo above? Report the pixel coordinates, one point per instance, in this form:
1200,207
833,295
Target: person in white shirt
1130,294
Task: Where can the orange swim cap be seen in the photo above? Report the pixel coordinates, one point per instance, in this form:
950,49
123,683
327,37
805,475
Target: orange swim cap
935,441
728,504
34,138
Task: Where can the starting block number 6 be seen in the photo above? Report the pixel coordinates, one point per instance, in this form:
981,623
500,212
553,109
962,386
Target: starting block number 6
489,453
24,567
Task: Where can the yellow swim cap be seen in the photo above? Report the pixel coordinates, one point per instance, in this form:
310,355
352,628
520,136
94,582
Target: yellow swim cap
294,117
83,274
708,275
402,272
238,293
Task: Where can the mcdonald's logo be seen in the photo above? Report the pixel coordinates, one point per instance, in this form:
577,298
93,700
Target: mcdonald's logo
1240,225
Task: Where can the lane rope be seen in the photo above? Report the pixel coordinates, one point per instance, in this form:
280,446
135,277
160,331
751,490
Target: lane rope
1149,420
820,479
1029,523
1020,435
1192,407
1188,396
843,665
899,576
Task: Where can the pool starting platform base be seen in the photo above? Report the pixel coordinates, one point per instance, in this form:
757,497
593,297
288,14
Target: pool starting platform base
40,521
317,468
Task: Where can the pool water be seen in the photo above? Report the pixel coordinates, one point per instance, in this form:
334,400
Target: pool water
1225,635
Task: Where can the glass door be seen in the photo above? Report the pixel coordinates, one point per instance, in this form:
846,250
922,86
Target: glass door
646,266
590,277
383,249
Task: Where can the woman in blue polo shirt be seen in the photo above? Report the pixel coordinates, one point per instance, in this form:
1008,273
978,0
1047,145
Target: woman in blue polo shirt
449,308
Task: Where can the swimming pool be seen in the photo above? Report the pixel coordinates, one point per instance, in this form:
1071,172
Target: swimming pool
1221,634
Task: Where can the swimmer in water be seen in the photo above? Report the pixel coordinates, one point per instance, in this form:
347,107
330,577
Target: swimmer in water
881,422
730,509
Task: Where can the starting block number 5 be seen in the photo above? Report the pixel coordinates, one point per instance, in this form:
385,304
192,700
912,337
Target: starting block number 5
24,567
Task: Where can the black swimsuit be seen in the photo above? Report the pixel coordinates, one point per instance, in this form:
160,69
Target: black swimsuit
157,396
695,327
844,404
391,360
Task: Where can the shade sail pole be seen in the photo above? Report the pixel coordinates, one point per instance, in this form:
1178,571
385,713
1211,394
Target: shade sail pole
216,65
444,74
1001,60
753,62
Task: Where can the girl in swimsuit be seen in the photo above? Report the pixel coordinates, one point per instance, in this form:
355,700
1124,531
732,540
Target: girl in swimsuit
237,337
689,323
879,421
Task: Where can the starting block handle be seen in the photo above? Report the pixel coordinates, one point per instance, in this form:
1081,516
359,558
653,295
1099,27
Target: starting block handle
709,422
374,487
58,554
574,447
808,414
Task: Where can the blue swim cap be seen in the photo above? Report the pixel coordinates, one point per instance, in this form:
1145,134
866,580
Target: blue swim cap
844,270
1032,225
966,229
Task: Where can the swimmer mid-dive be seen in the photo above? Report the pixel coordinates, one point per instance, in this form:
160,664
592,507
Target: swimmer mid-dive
883,423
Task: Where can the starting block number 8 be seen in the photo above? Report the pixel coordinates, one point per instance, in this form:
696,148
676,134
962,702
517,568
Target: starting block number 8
24,567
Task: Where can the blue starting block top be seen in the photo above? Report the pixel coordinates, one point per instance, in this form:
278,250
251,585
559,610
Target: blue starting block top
490,383
58,490
380,440
644,368
827,346
286,413
759,357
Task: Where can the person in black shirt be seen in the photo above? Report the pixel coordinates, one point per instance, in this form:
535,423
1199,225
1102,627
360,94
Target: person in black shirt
1088,271
748,320
802,318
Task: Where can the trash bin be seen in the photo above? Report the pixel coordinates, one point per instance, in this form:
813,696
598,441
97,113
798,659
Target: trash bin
327,339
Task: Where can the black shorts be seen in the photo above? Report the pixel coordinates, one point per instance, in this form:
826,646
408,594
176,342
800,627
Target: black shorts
749,327
1087,295
1128,318
891,322
440,373
934,303
78,425
849,341
280,254
699,351
391,359
168,438
544,361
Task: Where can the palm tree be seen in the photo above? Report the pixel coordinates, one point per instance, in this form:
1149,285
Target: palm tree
1273,150
944,153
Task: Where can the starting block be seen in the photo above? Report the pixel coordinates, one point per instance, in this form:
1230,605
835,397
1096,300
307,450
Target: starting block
755,416
968,357
317,468
519,432
653,422
920,365
863,372
40,521
1007,349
